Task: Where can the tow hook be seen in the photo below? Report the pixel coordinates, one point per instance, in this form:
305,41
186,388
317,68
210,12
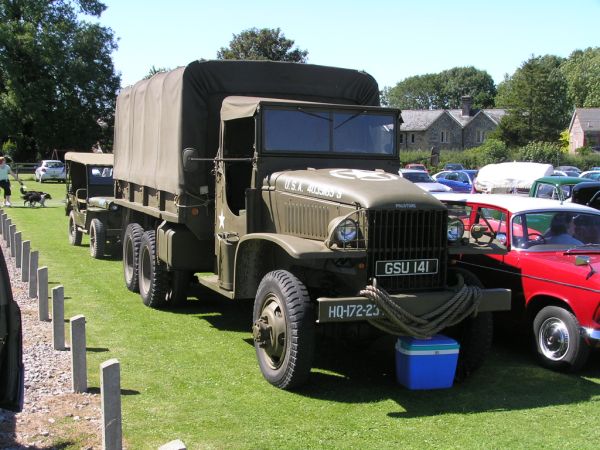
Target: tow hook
261,332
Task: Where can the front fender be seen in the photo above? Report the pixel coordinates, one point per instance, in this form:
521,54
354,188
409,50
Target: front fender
300,248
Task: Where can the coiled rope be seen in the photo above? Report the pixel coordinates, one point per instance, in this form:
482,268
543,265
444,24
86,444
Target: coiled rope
398,321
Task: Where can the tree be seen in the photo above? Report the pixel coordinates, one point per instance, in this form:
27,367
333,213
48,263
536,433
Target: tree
582,72
536,99
264,44
443,90
56,75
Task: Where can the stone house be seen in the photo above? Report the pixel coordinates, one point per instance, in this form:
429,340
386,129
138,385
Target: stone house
448,129
584,129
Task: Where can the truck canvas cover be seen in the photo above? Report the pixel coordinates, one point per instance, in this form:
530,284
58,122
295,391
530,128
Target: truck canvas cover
156,119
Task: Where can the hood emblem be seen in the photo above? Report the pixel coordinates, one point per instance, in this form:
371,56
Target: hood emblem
364,175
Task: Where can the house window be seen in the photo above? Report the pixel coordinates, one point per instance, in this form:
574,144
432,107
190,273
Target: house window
444,137
480,136
412,138
402,138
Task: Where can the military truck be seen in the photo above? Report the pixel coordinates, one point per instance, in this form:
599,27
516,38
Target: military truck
90,203
279,182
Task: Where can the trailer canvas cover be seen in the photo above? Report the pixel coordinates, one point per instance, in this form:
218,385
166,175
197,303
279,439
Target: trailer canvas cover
156,119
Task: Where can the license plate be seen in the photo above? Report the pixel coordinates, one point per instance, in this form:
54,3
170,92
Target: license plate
348,310
403,267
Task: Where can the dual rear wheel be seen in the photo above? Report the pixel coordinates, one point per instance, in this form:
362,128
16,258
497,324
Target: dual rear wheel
145,273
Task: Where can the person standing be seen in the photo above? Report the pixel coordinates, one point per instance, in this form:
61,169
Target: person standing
5,171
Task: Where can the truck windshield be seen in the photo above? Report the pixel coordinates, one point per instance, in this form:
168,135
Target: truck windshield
316,131
100,175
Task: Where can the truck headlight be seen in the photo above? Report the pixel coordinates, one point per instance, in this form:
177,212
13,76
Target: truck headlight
114,207
346,231
456,229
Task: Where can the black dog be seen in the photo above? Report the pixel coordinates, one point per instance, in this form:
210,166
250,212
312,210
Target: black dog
32,197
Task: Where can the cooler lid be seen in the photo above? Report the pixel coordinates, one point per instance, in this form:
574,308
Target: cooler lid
436,342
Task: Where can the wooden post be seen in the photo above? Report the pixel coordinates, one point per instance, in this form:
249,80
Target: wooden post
110,391
42,293
58,317
11,236
33,267
18,249
7,224
25,253
78,356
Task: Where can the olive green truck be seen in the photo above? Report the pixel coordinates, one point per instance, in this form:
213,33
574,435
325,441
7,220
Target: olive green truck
279,182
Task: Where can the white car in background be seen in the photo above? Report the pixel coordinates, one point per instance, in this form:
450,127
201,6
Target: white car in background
51,169
423,180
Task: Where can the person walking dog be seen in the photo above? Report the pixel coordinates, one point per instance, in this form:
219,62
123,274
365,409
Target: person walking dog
5,171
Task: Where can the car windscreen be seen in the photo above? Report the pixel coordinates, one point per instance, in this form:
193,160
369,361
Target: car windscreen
551,230
417,177
314,131
100,175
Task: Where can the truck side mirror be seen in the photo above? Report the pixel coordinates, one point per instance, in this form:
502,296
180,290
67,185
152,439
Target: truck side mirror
189,156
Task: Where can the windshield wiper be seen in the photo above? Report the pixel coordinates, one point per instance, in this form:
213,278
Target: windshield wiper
352,117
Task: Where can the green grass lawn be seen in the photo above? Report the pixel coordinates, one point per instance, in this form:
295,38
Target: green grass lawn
192,374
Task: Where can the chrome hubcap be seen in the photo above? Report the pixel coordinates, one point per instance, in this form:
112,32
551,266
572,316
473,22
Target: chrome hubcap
553,339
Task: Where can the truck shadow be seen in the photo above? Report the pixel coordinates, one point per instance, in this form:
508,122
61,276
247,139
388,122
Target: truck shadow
507,381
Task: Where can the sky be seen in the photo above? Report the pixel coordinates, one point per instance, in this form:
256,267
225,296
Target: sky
390,39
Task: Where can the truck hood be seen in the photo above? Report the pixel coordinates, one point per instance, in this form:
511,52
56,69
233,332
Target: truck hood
367,188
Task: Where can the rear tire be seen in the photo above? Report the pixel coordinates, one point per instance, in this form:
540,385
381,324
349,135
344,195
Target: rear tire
97,239
74,233
131,255
152,273
283,330
558,340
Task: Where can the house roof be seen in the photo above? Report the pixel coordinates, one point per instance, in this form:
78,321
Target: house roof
421,119
589,118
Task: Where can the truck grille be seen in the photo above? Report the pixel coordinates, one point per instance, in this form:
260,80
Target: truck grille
407,235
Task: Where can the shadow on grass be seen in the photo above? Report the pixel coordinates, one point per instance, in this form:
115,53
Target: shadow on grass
509,380
96,390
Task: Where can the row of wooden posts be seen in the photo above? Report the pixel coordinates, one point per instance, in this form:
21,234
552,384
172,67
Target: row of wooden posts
110,384
110,371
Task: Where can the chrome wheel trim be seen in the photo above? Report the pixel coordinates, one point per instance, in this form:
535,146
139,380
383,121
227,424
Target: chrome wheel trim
554,339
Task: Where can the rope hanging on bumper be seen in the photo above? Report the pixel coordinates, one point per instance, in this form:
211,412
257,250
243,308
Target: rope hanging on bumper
398,321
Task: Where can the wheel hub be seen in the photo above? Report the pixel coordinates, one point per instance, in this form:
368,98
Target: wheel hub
554,339
269,331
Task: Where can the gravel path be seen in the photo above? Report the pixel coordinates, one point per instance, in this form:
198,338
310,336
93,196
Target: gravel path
53,416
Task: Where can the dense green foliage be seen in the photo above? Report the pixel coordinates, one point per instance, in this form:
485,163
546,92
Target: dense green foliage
582,72
443,90
536,99
191,374
262,44
56,76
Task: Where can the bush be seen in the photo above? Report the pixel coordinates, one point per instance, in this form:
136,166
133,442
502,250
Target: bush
542,152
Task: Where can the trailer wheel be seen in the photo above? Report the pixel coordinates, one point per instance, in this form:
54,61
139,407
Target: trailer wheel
283,330
558,341
474,335
74,233
131,253
179,286
152,273
97,239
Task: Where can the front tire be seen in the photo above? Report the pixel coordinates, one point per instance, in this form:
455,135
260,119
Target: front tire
558,340
131,255
74,233
152,273
283,330
97,239
179,286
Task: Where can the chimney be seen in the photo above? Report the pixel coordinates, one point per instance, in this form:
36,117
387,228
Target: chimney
466,105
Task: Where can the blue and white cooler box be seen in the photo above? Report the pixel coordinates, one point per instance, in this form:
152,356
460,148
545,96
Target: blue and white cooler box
426,363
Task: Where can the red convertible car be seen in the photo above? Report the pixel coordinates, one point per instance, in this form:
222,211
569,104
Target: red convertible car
552,266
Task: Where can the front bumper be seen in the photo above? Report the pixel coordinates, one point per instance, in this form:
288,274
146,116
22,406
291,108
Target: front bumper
352,309
591,334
